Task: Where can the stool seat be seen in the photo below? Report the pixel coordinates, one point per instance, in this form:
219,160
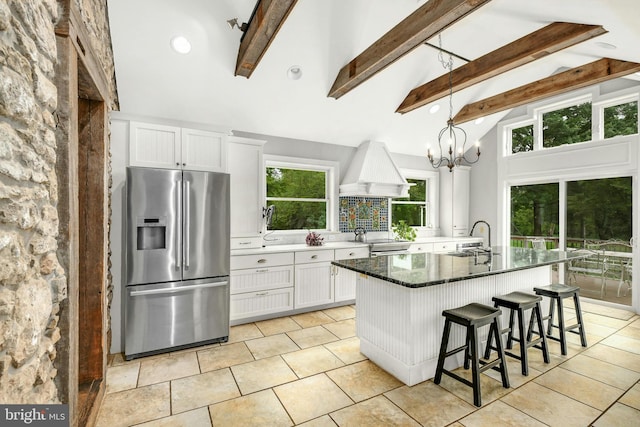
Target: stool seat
472,316
517,302
556,293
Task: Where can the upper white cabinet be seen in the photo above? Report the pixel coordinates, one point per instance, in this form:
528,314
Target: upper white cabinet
160,146
454,201
246,167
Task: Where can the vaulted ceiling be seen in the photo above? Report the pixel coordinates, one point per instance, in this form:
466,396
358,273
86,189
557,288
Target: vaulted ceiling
363,60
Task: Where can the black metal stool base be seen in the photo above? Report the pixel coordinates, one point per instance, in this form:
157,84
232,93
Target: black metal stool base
556,293
472,316
517,303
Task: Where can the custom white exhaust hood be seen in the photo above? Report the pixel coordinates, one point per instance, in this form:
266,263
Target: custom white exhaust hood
373,173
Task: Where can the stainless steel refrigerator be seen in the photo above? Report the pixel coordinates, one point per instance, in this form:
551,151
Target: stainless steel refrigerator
177,260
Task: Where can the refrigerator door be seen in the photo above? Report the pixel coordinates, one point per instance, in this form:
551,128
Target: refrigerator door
153,248
180,314
206,225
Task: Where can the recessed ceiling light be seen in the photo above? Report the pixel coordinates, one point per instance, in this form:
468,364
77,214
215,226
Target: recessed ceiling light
434,108
180,44
479,120
294,72
606,45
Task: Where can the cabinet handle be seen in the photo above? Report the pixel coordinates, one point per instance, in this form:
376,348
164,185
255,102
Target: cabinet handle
314,256
261,294
262,261
352,253
244,243
264,270
184,164
177,164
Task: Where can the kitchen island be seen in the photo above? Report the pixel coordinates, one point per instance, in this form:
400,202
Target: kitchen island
400,299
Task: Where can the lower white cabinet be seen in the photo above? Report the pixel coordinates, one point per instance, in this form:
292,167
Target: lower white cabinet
260,303
313,284
344,281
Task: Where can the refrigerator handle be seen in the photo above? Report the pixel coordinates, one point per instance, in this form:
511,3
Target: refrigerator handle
177,289
187,224
178,223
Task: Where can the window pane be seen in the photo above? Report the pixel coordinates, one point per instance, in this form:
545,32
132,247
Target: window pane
411,214
290,215
534,213
522,139
417,192
296,183
599,209
567,126
621,119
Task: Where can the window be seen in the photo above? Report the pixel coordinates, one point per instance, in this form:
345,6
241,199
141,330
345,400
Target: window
567,125
522,139
412,209
621,119
534,213
302,194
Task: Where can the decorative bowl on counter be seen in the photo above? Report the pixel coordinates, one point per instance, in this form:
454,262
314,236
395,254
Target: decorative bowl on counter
314,239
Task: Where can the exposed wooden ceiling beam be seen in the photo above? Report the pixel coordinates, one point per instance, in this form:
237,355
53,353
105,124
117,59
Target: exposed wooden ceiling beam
427,21
267,18
540,43
585,75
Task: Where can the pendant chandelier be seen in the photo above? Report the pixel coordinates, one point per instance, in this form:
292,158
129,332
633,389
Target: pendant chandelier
454,138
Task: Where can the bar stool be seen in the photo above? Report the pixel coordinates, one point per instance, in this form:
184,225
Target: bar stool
518,302
472,316
556,293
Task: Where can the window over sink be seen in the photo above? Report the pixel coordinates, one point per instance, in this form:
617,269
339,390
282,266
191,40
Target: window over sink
416,210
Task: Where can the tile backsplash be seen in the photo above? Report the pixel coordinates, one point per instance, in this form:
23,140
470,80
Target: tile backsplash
370,213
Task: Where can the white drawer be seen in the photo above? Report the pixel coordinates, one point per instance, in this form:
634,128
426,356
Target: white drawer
259,279
261,260
246,242
444,246
421,247
260,303
314,256
460,232
350,253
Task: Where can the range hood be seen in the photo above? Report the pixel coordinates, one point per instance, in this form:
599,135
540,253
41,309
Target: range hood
373,173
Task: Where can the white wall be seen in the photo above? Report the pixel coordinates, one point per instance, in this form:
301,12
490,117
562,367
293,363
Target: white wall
483,188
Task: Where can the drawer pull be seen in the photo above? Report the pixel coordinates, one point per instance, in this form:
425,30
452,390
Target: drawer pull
262,261
264,270
352,253
244,243
261,294
314,256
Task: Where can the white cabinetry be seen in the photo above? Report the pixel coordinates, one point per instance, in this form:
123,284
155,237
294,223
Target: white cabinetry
313,278
345,280
247,187
454,202
417,248
261,284
160,146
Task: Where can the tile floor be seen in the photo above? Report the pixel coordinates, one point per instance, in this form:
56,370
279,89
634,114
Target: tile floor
307,370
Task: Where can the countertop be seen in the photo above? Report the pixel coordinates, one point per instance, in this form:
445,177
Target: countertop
427,269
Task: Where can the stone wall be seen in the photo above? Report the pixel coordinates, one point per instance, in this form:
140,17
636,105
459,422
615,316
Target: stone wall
32,283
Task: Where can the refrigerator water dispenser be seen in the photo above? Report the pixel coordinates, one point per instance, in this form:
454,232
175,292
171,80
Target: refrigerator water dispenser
151,233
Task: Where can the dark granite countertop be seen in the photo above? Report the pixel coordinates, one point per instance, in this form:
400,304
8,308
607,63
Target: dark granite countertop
427,269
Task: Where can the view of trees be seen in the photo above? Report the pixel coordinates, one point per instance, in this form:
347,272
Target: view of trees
411,209
534,210
522,139
299,197
567,126
621,119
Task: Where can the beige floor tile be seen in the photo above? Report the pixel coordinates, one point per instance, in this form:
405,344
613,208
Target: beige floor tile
605,321
168,367
273,345
135,406
196,418
490,389
635,323
429,404
347,350
310,337
202,390
363,380
342,329
277,326
499,414
262,374
615,356
257,409
312,361
630,332
632,397
122,377
573,348
581,388
514,368
323,421
247,331
623,343
618,415
314,318
605,310
373,412
550,407
605,372
597,330
341,313
223,356
311,397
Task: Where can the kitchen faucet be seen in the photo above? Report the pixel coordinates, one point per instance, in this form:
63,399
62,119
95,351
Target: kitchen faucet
488,227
